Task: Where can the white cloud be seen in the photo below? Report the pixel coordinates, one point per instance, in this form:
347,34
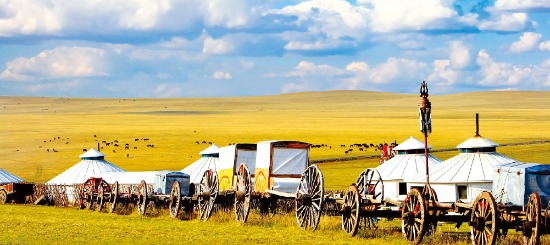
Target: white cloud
60,62
394,69
505,74
544,46
296,87
395,15
217,46
307,69
165,90
443,73
335,18
247,64
527,42
521,4
460,55
505,22
221,75
25,17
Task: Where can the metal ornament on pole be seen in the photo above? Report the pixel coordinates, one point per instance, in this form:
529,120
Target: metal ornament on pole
424,110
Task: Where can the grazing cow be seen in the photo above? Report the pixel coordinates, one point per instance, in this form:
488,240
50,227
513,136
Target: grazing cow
210,143
204,142
127,155
116,145
104,142
350,149
95,136
114,151
116,141
342,145
152,146
108,143
54,150
135,147
84,149
48,150
196,142
360,149
136,140
145,139
44,141
126,147
346,152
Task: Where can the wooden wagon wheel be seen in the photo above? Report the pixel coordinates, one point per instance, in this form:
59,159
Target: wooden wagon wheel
3,196
370,183
351,211
430,196
309,198
114,197
414,214
142,198
175,200
483,222
532,224
100,198
243,193
208,189
89,194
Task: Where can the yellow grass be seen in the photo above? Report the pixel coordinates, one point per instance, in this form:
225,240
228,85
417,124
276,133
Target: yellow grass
334,118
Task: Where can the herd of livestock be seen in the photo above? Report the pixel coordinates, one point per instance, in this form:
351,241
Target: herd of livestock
268,171
260,175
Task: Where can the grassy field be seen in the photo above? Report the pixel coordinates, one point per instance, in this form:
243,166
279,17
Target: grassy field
52,225
31,128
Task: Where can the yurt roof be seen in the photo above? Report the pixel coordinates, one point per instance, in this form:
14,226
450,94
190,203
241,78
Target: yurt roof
85,169
92,153
213,149
6,177
405,165
465,168
411,144
477,142
196,170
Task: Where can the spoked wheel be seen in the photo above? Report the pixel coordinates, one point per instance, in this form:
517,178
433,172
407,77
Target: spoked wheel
3,196
114,197
90,199
350,211
431,202
100,197
532,224
309,198
243,193
208,192
175,200
369,183
414,214
142,197
483,222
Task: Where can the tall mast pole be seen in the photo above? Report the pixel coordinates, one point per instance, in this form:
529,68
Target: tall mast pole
424,110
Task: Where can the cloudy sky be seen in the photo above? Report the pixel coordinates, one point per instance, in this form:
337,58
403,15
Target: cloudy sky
211,48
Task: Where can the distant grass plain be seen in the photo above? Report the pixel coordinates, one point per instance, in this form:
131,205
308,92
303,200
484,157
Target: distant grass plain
32,127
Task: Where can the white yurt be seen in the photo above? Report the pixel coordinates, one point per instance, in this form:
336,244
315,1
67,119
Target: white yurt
409,161
209,160
6,178
465,175
92,164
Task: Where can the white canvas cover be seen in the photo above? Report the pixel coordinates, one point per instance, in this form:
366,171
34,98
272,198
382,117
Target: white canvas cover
285,160
514,182
196,170
85,169
6,177
232,156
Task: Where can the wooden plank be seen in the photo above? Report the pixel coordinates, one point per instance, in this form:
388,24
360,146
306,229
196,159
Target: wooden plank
281,194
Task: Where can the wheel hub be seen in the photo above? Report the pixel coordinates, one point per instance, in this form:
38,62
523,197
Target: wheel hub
346,211
527,229
306,200
408,218
206,195
478,223
240,195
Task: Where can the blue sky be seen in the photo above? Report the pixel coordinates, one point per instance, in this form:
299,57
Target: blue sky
213,48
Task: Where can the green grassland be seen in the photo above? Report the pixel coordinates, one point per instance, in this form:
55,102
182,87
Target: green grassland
31,127
52,225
